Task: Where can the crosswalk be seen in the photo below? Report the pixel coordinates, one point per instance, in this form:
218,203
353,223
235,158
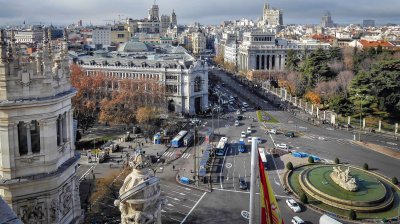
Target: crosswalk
172,154
322,138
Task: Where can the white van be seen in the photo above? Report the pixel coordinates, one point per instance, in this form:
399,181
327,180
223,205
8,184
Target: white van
297,220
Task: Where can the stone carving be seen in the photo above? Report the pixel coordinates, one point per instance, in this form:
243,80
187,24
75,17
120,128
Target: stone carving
54,210
65,200
32,212
344,179
139,200
30,160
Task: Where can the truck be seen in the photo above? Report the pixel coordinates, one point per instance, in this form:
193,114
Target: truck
325,219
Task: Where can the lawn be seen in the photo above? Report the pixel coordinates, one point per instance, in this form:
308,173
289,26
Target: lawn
264,116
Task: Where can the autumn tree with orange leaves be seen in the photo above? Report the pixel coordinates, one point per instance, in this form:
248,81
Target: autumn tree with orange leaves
90,91
313,97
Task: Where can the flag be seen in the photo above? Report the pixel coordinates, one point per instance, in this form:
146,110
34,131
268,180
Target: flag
270,213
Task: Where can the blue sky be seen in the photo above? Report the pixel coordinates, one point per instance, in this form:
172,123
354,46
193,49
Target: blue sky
188,11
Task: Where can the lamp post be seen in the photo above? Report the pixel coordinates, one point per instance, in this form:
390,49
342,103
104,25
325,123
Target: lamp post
359,133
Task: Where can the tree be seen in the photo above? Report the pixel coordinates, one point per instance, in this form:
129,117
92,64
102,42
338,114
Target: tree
337,161
289,166
313,97
365,166
145,114
352,215
395,181
90,92
303,198
335,53
292,61
310,159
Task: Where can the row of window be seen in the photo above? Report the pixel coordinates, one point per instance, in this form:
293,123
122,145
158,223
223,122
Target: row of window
262,38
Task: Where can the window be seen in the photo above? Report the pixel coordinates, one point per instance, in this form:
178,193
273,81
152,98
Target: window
59,127
35,137
121,35
197,84
22,138
171,89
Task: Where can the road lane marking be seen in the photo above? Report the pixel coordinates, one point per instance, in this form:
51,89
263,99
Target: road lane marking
191,210
273,160
222,169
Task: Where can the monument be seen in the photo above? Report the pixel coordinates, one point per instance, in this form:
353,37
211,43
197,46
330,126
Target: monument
139,200
344,179
38,163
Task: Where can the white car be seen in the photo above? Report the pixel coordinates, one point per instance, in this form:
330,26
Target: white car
297,220
243,134
249,131
259,141
293,205
236,123
238,112
272,131
244,109
282,146
245,104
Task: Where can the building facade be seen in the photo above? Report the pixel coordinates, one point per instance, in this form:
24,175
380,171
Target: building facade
28,36
185,78
326,20
261,50
37,152
199,42
101,35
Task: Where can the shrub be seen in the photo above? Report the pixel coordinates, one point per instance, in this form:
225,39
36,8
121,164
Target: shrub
395,181
289,166
303,198
352,215
365,166
337,161
311,159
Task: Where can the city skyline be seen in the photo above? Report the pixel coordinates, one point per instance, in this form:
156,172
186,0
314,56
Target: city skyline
206,12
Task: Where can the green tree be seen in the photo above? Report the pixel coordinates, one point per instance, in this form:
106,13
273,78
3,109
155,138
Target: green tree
289,166
395,181
335,53
304,198
310,159
315,68
379,49
365,166
337,161
352,215
292,61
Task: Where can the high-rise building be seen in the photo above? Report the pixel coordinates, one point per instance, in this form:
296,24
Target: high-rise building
272,17
326,20
37,152
164,23
102,35
368,23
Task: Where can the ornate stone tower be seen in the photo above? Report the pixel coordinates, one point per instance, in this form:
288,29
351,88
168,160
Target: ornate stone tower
174,22
37,155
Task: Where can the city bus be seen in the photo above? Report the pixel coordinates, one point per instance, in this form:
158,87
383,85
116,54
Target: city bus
220,150
178,140
188,139
263,157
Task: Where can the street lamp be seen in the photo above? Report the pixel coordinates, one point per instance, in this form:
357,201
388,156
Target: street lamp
359,133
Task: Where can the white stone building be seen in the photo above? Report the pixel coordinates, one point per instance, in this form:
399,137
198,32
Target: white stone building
28,36
102,35
272,17
261,50
185,78
37,153
199,42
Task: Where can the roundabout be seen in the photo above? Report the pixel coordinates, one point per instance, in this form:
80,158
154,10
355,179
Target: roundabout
339,189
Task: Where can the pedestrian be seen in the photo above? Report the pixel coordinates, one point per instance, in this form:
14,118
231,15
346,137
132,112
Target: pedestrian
173,167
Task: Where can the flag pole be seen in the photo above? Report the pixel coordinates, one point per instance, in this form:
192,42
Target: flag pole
253,178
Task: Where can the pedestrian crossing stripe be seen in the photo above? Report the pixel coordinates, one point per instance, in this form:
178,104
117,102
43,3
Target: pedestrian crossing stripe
186,155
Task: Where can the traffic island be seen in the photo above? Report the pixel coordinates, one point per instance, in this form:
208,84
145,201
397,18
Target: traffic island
264,116
375,199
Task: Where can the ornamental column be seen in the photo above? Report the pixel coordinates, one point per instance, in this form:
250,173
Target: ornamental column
28,138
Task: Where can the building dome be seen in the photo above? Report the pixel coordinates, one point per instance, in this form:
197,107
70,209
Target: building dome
134,46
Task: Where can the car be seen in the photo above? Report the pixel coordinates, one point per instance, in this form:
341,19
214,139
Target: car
243,134
238,112
259,141
297,220
245,104
290,134
282,146
239,117
242,148
237,123
242,183
272,131
293,205
196,121
249,131
244,109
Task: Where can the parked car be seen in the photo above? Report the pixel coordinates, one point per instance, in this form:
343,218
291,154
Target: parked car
282,146
245,104
249,131
293,205
239,117
244,109
297,220
242,183
236,123
242,148
243,134
290,134
272,131
238,112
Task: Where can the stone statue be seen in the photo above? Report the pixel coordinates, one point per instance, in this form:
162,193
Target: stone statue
139,200
344,179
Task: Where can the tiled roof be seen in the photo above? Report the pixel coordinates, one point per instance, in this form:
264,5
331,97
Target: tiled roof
367,43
